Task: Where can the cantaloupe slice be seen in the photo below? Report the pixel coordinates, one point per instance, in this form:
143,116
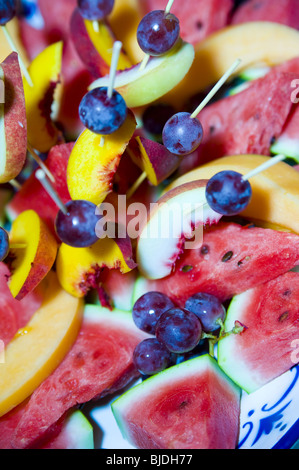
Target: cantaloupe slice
255,43
37,349
275,198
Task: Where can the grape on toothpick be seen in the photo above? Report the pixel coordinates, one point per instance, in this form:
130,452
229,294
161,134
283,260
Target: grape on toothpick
8,10
157,33
76,221
95,10
183,133
103,110
229,193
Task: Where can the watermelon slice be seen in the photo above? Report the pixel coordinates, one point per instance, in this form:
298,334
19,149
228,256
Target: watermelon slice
231,260
32,194
198,18
284,12
15,314
247,122
72,431
265,349
99,363
192,405
288,142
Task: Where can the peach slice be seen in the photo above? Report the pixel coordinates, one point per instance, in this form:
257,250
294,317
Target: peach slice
256,43
44,71
124,20
95,47
141,87
79,269
31,263
275,192
5,49
172,220
153,158
91,166
38,348
13,122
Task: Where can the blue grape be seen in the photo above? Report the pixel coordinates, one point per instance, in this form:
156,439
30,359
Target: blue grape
179,330
77,227
101,114
158,32
95,10
227,193
151,357
208,308
148,309
4,244
8,9
182,134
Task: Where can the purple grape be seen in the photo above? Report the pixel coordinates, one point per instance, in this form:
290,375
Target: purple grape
158,32
8,9
101,114
227,193
4,244
148,309
151,357
179,330
182,134
95,10
208,309
155,117
77,227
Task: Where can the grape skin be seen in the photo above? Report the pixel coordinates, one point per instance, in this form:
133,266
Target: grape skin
77,228
101,114
208,309
95,10
182,134
148,309
151,357
157,33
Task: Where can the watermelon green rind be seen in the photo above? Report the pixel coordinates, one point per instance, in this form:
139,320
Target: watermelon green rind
286,146
236,370
263,351
80,430
149,387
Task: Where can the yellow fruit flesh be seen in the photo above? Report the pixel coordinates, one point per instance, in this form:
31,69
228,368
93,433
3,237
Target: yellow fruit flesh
37,349
5,49
91,165
103,42
275,198
36,254
44,71
255,43
74,264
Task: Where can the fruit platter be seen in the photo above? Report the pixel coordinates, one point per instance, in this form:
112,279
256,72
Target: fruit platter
149,224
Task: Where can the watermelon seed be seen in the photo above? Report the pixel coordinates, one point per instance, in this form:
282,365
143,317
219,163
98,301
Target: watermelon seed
227,256
204,250
284,316
187,268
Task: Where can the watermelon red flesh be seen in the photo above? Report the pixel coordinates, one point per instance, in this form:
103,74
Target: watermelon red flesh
32,194
245,123
15,314
198,18
283,11
263,351
189,406
231,260
99,363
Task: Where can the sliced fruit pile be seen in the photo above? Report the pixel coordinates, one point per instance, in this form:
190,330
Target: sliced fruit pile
145,230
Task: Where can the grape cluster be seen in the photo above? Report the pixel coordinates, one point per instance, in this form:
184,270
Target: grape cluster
176,331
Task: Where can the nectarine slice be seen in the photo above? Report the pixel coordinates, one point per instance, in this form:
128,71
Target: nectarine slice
13,122
44,71
91,166
275,192
29,265
79,269
256,43
141,87
174,219
37,349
